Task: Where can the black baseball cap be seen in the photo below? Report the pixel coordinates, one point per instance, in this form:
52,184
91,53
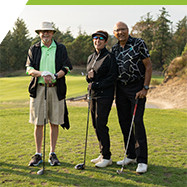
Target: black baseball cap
105,36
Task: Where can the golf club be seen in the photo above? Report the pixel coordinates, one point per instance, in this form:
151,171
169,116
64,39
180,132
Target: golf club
82,166
41,171
134,112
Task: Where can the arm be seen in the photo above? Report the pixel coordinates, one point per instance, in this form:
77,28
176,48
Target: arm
60,74
67,67
148,72
34,73
90,73
29,64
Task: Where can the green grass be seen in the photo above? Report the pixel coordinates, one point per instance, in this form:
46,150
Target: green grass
166,133
167,151
14,90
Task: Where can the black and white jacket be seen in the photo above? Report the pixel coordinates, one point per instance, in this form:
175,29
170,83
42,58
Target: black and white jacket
105,73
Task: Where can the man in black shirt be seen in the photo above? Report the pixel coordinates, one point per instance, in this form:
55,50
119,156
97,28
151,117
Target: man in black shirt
134,75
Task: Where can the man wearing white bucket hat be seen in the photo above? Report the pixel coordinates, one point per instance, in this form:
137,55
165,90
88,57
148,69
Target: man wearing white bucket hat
47,63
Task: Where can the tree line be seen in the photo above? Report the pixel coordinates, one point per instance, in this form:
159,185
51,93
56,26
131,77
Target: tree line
163,42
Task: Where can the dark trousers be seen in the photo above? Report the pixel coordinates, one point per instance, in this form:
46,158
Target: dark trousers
125,102
100,109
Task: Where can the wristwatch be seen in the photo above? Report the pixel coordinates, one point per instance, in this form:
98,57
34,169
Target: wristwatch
56,75
146,87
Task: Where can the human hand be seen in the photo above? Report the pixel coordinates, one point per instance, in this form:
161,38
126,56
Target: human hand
141,94
89,86
47,79
46,74
91,74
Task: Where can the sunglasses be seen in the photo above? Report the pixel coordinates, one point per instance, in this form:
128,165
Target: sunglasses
98,37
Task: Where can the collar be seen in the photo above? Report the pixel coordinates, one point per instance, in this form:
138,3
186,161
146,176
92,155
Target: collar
128,41
53,44
102,51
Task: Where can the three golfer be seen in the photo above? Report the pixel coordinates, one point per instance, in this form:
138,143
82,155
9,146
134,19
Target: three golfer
128,69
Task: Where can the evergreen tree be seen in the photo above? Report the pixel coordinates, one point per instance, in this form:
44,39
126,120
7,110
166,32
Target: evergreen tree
180,36
111,41
148,32
63,37
162,45
80,49
20,44
35,40
5,52
145,29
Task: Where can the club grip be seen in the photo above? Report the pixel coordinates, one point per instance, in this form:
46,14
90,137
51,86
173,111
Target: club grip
135,107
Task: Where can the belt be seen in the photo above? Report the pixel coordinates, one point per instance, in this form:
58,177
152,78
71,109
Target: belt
137,81
48,85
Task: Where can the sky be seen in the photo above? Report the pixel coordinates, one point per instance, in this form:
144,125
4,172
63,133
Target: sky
9,12
86,18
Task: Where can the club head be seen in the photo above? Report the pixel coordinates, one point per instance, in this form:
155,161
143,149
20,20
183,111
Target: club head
40,172
80,166
119,171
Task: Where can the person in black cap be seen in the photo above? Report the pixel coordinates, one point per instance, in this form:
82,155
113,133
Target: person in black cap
101,76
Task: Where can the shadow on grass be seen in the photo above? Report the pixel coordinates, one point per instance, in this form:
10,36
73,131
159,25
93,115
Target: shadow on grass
66,175
61,176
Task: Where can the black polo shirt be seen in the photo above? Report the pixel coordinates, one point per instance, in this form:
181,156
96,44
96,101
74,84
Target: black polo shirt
129,59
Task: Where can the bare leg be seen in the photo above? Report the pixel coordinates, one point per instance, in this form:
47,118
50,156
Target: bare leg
38,134
53,136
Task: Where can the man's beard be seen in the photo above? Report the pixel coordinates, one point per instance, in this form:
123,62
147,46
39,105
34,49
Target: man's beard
46,40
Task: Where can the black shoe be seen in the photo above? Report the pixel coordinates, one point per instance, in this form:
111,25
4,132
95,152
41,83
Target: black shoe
53,160
36,160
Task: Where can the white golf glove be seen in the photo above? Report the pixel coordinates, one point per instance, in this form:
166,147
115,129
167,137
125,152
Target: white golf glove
45,73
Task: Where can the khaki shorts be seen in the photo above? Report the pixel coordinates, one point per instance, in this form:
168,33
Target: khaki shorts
55,108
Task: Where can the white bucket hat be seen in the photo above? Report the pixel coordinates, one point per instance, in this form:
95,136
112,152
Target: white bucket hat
45,26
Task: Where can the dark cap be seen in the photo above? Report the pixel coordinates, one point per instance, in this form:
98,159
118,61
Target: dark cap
102,33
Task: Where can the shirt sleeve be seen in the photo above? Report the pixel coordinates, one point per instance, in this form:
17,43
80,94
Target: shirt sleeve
28,68
67,67
144,53
29,61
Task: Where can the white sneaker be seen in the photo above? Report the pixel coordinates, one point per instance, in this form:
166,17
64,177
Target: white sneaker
142,168
103,163
126,161
98,159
